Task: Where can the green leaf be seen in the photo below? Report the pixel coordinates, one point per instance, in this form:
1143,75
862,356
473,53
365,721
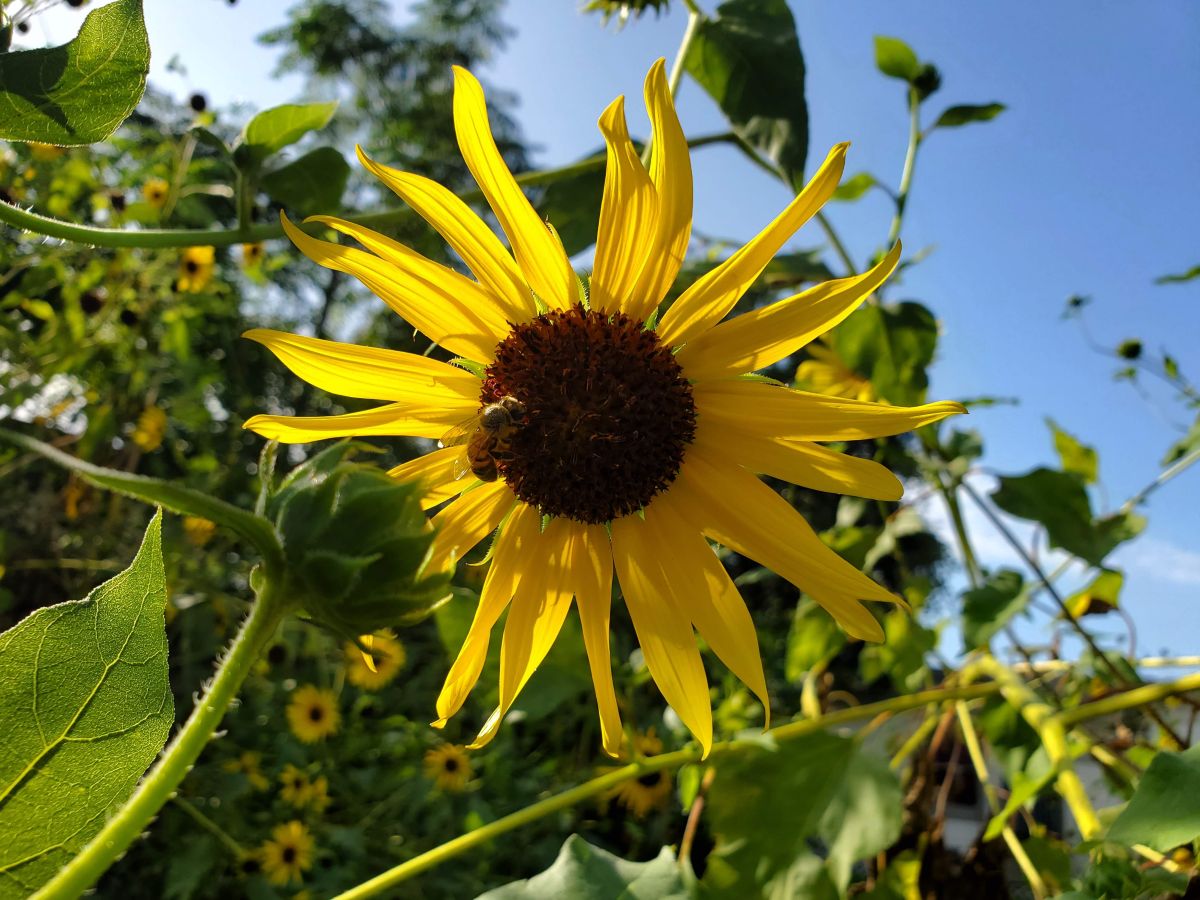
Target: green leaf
902,654
987,609
572,203
312,184
896,59
1179,278
1059,501
814,636
273,129
1099,597
747,57
854,187
965,115
892,346
851,801
80,92
85,707
1075,457
174,497
1163,812
585,872
1185,445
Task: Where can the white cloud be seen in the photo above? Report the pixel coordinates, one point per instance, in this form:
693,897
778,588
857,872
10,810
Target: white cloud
1160,559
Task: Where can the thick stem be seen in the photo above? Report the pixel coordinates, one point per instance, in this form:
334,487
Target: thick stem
156,789
462,844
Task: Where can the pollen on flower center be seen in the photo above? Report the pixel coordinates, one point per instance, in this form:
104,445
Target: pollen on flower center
609,413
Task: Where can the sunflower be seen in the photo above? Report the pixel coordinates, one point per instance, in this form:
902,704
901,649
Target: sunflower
249,763
198,530
649,791
628,438
827,373
150,429
288,854
196,269
155,191
296,786
312,714
449,767
387,659
252,255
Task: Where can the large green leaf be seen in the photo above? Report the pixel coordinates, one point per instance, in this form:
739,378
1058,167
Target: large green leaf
572,205
273,129
584,872
85,707
80,92
1163,811
173,496
988,608
747,57
1059,501
766,803
312,184
892,346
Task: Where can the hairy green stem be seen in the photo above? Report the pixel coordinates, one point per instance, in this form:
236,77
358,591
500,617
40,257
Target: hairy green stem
836,242
163,238
462,844
910,163
160,783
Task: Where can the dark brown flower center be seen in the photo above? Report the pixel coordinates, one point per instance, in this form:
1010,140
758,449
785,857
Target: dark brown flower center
650,779
288,855
608,414
451,764
316,713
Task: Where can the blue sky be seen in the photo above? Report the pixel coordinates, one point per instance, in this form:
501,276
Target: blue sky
1087,184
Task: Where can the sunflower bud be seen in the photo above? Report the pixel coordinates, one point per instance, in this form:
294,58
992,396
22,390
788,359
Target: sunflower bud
356,543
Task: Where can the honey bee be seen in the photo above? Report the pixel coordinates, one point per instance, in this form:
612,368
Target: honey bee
488,435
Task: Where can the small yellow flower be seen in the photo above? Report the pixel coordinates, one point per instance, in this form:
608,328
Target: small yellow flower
296,786
449,767
313,714
647,792
249,763
196,269
150,429
827,373
252,255
199,531
45,152
318,796
73,493
288,854
388,655
155,191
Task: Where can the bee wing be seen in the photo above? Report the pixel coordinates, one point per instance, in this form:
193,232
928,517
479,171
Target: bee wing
460,433
462,466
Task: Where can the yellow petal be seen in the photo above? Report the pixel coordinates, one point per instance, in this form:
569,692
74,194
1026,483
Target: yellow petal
592,568
628,217
762,526
535,618
470,237
466,522
469,296
707,301
509,563
710,598
540,256
756,339
671,173
403,419
806,464
436,473
415,292
368,372
664,632
767,410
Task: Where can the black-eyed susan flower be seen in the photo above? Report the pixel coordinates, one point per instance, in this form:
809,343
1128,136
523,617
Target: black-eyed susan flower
312,714
449,767
294,785
649,791
288,854
387,659
825,372
196,269
252,255
150,429
249,764
155,192
198,530
613,438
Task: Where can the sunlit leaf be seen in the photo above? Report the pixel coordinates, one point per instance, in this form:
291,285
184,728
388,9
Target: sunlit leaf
965,115
312,184
988,608
1163,812
895,58
585,872
273,129
854,187
892,346
1179,277
1075,456
1099,597
747,57
85,707
80,92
